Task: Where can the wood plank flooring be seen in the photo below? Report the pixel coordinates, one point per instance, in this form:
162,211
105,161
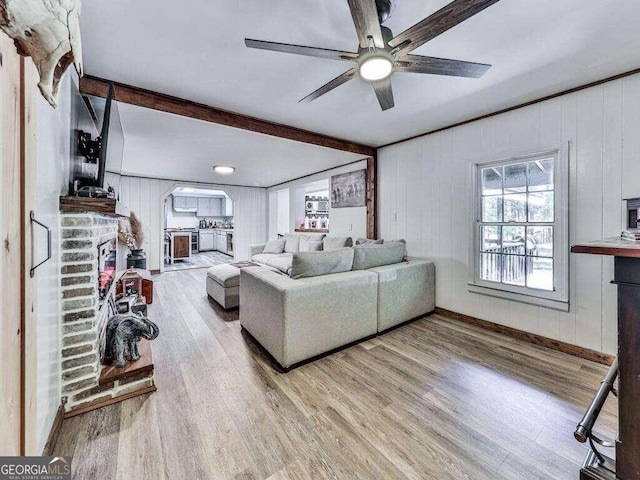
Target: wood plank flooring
436,399
199,260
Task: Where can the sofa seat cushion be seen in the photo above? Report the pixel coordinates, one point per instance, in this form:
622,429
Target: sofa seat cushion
372,255
313,264
265,257
282,262
226,275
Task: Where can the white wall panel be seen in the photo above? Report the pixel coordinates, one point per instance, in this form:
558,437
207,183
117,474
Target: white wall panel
427,182
144,197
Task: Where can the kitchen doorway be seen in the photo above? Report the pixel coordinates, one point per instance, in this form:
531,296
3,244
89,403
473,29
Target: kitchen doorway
198,228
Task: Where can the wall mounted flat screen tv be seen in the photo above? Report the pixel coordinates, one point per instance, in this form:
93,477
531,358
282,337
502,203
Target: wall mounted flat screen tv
97,144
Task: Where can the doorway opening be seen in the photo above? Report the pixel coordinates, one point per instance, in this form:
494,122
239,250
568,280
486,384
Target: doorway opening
197,228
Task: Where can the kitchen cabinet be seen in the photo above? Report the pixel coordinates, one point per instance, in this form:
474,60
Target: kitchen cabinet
207,240
208,207
185,204
180,245
226,207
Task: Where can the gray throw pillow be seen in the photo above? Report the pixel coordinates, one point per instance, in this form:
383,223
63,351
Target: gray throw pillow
311,246
402,240
335,243
372,255
367,241
313,264
291,243
274,246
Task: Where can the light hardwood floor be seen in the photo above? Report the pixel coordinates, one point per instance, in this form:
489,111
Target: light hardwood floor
435,399
199,260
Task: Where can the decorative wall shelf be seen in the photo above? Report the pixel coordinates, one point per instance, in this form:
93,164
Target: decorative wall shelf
105,206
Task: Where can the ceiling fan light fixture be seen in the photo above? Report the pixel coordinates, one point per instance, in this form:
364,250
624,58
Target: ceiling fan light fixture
376,67
224,169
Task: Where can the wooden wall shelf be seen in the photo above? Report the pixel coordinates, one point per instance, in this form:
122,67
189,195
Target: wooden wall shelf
105,206
313,230
145,364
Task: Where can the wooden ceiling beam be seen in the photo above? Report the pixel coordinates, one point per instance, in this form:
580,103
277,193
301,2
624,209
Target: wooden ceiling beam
164,103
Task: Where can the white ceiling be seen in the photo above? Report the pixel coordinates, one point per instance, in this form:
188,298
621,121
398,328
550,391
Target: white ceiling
163,145
196,51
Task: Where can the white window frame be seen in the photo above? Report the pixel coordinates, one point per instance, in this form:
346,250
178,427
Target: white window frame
557,299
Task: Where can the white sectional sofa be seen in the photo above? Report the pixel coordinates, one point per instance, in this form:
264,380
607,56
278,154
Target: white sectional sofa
298,310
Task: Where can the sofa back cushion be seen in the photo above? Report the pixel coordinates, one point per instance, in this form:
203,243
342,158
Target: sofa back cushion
311,246
274,246
375,255
366,241
313,264
336,243
291,243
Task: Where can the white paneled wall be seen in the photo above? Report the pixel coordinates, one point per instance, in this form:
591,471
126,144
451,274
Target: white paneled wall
144,196
426,196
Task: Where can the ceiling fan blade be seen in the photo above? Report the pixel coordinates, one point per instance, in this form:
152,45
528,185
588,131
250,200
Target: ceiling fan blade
336,82
447,17
365,18
384,92
301,50
440,66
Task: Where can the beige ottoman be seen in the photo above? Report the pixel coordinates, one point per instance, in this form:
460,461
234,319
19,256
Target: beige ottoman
223,285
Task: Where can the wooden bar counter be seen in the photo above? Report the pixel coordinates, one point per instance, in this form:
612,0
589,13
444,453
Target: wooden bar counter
627,278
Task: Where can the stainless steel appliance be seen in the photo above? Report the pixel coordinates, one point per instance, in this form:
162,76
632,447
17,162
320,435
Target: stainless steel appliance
194,242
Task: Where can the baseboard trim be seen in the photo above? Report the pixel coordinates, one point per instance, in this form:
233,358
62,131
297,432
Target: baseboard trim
576,351
111,401
54,433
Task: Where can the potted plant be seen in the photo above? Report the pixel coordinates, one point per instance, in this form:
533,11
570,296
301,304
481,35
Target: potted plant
131,234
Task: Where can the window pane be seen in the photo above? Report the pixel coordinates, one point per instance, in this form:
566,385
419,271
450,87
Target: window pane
492,209
513,270
540,207
540,241
515,208
492,181
513,240
540,273
491,239
541,175
490,267
515,178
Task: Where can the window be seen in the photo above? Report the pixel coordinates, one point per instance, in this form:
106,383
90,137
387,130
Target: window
521,229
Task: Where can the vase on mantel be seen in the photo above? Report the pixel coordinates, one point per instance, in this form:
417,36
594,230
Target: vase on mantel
137,259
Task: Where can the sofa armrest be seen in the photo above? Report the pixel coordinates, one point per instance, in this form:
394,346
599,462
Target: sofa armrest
256,249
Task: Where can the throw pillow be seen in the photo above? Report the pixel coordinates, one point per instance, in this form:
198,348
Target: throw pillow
274,246
401,240
336,243
291,243
311,246
313,264
372,255
367,241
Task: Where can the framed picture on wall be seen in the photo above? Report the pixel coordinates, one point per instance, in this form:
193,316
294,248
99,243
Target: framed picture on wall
349,189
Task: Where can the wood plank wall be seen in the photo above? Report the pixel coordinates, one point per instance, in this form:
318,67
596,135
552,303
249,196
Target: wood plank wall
143,196
426,183
10,249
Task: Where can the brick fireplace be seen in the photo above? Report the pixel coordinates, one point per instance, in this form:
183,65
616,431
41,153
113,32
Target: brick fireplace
84,320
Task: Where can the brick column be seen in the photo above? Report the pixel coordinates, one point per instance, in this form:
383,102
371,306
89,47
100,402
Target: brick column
83,322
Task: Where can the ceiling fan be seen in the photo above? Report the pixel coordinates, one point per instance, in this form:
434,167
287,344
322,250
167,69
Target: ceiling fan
380,53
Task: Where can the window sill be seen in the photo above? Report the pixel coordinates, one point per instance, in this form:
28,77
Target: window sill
560,305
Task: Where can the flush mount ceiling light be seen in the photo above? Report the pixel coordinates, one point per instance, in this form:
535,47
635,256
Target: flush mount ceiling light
376,66
224,169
